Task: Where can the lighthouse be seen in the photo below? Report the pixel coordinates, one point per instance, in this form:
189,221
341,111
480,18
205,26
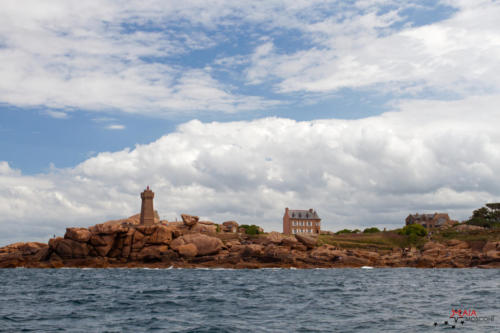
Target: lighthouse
147,211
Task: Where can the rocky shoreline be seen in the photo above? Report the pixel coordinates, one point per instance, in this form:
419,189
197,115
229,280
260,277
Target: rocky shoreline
198,244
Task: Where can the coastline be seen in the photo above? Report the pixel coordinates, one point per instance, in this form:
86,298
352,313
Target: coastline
243,266
198,244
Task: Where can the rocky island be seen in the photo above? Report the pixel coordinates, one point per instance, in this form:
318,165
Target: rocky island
143,240
193,243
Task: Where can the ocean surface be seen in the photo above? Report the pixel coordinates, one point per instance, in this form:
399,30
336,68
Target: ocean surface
265,300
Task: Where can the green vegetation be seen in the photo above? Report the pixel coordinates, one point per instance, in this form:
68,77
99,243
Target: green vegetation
347,231
409,236
217,228
343,231
369,241
486,217
371,230
250,229
414,233
469,236
413,229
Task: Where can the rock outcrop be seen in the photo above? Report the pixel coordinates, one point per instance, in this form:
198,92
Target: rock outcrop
308,241
275,237
204,244
194,243
78,234
189,220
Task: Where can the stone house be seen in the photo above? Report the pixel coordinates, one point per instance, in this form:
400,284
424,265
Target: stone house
430,221
296,221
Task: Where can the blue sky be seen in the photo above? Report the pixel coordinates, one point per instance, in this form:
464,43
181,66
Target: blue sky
37,136
33,141
390,91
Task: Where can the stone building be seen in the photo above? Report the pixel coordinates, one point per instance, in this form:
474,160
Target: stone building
430,221
296,221
147,211
230,226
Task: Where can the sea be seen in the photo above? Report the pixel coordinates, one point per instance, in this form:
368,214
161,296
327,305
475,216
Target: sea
260,300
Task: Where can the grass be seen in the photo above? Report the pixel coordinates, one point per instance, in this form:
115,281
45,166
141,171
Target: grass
388,240
373,241
469,236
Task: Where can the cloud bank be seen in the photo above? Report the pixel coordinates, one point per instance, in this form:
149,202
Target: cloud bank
364,50
427,156
157,58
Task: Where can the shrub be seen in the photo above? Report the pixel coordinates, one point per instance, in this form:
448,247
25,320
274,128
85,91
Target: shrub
371,230
344,231
414,234
250,229
486,217
481,222
413,229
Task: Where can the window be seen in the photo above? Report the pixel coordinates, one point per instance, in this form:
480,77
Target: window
294,231
309,223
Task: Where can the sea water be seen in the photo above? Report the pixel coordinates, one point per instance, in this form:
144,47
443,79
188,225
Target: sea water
264,300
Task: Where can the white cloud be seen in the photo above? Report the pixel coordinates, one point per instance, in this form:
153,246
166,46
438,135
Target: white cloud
457,55
69,54
128,56
6,170
115,127
56,114
430,156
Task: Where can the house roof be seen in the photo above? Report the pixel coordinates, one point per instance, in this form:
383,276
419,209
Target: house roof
423,217
303,214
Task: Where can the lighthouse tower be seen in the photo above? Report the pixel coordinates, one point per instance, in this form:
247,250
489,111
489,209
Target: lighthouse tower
147,211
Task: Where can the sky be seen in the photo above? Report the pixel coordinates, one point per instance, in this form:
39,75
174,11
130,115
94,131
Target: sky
363,110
